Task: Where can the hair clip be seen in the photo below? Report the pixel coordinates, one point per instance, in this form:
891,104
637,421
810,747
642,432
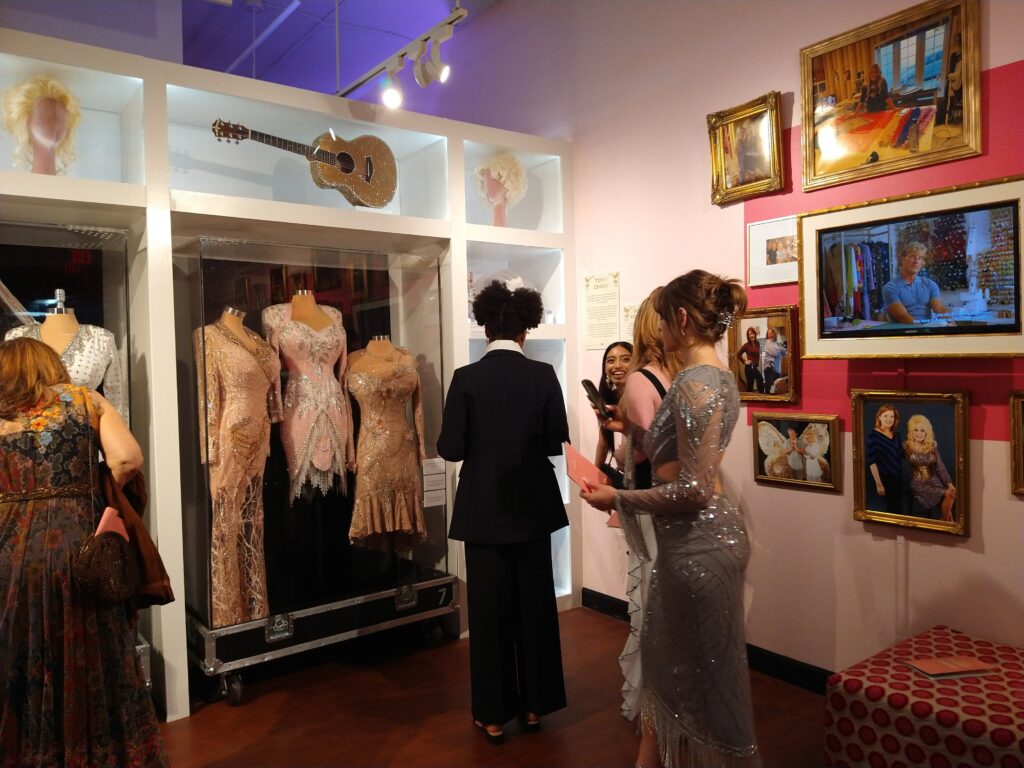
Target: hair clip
725,320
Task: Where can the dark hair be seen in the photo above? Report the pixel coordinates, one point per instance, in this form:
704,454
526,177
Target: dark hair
506,314
712,303
609,393
28,368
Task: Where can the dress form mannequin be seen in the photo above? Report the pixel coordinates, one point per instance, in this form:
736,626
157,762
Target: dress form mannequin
497,196
47,128
305,310
501,180
60,327
232,320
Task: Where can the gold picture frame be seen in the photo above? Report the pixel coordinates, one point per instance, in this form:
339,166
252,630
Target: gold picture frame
768,373
971,237
1017,441
899,93
746,150
797,449
918,496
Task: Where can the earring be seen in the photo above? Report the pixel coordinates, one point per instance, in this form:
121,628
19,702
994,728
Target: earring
608,381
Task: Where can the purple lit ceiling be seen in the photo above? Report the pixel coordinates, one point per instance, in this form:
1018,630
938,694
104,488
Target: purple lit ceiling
300,50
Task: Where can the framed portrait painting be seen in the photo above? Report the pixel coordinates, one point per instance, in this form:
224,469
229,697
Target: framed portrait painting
910,457
772,252
797,449
761,348
1017,441
934,274
746,150
898,93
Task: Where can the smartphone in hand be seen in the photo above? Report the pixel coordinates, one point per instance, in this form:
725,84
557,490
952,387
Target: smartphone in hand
594,396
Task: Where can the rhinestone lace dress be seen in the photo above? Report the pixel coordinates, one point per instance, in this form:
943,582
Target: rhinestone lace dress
237,402
91,359
388,499
696,685
316,430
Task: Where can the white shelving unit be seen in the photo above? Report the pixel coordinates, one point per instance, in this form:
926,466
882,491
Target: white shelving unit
148,163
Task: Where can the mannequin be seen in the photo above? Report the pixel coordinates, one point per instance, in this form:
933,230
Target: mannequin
501,181
42,115
306,310
388,499
232,319
89,353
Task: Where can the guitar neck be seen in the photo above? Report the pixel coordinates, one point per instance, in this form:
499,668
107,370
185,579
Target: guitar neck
308,152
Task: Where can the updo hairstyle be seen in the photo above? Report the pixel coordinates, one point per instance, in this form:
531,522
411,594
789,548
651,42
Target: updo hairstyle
506,314
712,303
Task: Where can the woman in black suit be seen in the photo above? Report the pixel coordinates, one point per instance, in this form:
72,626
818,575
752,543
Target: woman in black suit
503,417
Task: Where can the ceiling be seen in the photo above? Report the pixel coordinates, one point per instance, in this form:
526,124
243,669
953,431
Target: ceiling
299,48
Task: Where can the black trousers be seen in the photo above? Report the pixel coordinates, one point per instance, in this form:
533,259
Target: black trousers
893,485
515,657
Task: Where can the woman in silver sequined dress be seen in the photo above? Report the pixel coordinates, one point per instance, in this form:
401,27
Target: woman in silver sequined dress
695,681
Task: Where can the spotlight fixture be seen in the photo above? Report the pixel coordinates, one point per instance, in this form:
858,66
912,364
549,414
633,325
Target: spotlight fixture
425,54
391,91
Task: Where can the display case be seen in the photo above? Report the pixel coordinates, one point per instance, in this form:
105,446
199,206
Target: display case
314,503
515,188
105,136
67,286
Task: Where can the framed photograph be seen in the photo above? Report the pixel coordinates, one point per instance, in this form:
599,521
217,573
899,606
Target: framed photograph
772,252
327,278
798,449
899,93
934,274
278,284
761,347
1017,441
746,150
299,280
910,456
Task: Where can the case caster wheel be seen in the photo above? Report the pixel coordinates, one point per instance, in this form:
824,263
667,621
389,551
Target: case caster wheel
431,633
233,689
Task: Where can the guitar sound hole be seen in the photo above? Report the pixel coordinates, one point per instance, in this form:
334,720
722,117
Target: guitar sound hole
345,162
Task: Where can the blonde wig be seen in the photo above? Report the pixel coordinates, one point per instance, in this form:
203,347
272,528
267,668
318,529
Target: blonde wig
18,101
647,345
915,421
508,172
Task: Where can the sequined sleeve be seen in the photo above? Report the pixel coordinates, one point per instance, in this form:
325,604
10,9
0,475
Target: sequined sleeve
346,400
698,412
270,319
113,384
940,470
210,401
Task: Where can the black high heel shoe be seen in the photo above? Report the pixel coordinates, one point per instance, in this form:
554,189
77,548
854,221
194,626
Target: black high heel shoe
493,737
531,722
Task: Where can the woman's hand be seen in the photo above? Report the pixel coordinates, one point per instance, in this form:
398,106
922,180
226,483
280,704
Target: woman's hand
880,489
602,497
616,422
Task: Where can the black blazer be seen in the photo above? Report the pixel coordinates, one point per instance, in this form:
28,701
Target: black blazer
503,417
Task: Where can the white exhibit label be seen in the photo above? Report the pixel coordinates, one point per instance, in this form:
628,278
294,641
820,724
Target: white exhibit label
433,482
434,498
433,467
601,300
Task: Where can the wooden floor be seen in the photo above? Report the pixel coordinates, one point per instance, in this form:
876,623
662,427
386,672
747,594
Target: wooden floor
385,700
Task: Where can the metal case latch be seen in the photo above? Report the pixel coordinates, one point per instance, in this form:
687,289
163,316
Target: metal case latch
279,627
406,597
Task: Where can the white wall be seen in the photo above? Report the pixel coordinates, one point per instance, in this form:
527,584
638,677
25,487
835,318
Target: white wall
630,83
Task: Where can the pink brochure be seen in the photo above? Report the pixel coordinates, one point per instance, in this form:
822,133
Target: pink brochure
581,469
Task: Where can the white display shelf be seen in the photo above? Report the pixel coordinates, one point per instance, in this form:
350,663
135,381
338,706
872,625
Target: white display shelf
541,206
510,236
201,163
542,269
38,198
108,139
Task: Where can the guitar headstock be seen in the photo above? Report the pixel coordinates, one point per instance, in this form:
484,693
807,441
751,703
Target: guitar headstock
230,131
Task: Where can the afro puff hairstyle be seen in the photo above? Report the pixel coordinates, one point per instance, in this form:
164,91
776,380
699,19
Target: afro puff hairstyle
506,314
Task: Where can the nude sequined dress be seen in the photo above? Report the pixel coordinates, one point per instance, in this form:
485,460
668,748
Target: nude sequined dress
388,497
316,429
238,400
695,680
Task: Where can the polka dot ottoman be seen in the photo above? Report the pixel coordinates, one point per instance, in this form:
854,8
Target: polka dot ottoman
880,713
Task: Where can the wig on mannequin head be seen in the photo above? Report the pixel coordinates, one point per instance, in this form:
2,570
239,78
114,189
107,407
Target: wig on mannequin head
18,101
508,172
507,314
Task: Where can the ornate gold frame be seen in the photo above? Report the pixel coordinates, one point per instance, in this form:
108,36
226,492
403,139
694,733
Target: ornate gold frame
737,339
959,401
1017,441
970,75
718,122
834,450
813,346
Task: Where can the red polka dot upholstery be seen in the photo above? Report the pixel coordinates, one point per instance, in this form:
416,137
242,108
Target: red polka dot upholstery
880,713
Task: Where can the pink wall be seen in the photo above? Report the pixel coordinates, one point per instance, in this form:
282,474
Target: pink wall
630,84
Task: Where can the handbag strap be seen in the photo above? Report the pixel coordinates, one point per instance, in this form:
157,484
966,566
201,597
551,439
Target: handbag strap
655,381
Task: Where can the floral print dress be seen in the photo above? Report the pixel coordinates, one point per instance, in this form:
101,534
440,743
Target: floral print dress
71,693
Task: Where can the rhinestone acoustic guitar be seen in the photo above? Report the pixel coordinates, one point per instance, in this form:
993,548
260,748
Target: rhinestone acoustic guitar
363,170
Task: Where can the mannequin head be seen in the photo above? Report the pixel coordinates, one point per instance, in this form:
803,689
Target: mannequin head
501,180
42,115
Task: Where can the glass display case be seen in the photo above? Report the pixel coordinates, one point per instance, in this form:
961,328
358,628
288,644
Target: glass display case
228,145
513,188
67,286
538,268
96,120
310,401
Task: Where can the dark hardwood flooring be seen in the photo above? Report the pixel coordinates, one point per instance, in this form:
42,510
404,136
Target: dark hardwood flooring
386,700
